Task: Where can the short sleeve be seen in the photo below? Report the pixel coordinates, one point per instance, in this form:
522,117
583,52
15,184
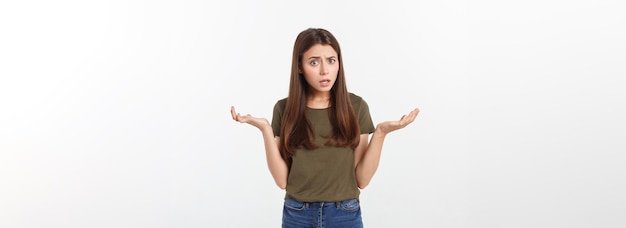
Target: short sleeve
363,115
277,116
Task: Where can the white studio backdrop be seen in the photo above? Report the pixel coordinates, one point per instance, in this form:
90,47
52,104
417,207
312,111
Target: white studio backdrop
116,113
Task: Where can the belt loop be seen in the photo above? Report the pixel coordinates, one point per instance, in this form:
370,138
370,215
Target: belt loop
306,205
338,204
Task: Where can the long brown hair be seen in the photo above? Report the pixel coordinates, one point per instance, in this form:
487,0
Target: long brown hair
295,130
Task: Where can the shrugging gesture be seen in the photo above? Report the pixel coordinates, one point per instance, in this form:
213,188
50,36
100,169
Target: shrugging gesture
389,126
367,156
249,119
275,163
326,153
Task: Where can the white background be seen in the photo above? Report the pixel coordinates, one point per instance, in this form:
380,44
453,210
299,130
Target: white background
116,113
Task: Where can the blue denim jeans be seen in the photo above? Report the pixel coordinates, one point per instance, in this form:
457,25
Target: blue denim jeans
342,214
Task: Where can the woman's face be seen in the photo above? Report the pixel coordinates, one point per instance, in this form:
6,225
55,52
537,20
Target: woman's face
320,66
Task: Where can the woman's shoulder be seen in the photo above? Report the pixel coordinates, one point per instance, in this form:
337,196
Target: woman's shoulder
356,99
280,104
282,101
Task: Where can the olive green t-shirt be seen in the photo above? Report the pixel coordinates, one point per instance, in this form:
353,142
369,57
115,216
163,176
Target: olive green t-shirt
326,173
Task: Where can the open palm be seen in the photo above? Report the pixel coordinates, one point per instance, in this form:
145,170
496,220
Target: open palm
389,126
249,119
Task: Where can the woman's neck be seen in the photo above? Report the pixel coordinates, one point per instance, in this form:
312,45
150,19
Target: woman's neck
318,101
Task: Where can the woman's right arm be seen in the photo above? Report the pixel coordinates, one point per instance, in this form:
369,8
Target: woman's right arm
275,163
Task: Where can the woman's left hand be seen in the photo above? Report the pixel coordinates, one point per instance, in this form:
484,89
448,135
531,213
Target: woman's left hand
389,126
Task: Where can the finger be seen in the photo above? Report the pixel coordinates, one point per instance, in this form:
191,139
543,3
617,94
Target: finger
416,110
240,118
413,114
410,118
232,112
409,121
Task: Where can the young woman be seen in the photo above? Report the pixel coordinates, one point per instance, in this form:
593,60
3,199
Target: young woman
318,147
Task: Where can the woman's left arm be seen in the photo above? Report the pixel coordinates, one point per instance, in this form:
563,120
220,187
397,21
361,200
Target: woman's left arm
367,154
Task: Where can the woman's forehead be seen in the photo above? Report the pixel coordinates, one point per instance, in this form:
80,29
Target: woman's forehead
321,51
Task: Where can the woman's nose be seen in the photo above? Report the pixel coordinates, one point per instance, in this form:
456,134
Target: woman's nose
323,69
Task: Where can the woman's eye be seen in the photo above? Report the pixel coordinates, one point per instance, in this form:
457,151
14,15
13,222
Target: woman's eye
314,62
332,60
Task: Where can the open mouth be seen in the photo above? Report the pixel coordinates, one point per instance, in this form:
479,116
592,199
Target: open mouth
325,82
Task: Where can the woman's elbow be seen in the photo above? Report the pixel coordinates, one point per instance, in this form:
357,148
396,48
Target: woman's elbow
281,185
361,179
362,184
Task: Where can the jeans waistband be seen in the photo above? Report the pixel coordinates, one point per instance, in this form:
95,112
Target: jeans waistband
323,203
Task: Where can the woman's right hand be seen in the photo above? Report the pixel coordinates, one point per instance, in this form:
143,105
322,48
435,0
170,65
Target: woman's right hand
249,119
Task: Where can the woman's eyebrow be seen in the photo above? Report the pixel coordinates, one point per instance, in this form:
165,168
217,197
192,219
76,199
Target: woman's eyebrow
317,57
